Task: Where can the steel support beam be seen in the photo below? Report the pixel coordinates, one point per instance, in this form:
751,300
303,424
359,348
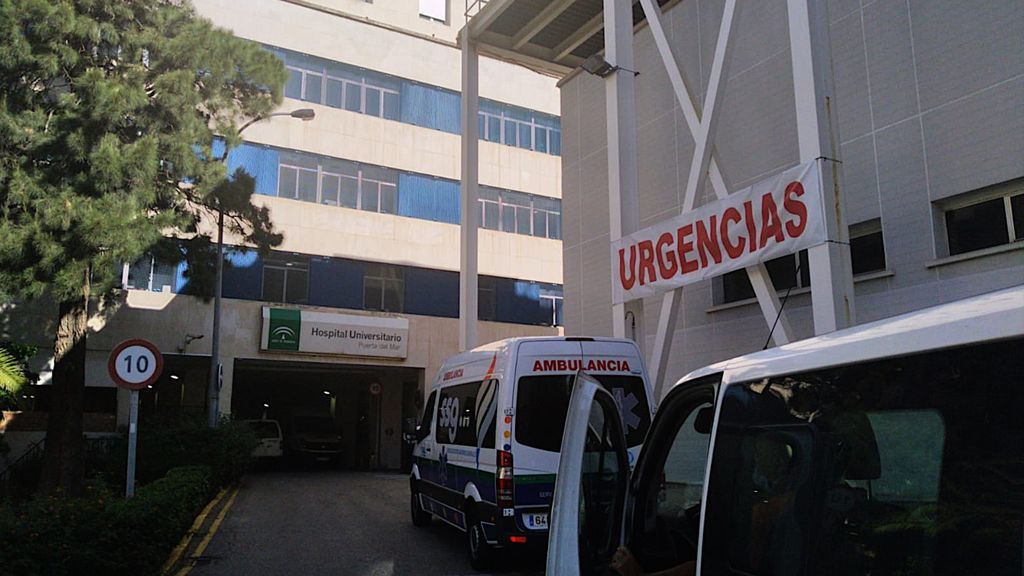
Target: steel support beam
470,212
832,298
539,22
620,106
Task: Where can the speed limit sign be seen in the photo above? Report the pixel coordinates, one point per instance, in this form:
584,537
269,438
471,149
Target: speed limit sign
135,364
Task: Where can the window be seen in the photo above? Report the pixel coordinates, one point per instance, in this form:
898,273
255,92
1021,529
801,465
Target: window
334,84
909,465
428,416
434,9
149,273
552,303
465,408
286,278
991,218
790,271
542,403
336,182
487,298
383,288
867,250
520,213
519,127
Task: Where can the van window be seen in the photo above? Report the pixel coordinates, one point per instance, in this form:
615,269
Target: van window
542,403
911,465
466,414
428,416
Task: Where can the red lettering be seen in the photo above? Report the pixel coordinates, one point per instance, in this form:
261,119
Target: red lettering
748,211
550,365
707,243
646,272
627,275
666,258
685,247
770,224
795,207
624,366
537,366
562,366
602,365
733,250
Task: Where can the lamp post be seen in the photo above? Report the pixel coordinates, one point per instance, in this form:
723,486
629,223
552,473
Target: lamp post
213,385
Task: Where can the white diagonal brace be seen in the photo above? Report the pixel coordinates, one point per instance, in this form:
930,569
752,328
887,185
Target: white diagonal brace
763,288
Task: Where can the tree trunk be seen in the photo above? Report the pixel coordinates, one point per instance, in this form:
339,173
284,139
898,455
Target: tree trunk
64,451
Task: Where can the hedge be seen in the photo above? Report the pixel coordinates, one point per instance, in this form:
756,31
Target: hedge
102,533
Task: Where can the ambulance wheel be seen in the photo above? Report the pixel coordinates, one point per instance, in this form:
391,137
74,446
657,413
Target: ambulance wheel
481,554
420,517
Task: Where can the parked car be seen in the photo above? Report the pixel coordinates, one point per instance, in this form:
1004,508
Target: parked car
487,447
315,438
268,432
894,447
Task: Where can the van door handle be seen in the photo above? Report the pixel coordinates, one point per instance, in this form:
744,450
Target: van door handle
426,449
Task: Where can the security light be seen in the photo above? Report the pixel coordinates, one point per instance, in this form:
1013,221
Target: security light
327,392
265,405
174,376
595,64
304,114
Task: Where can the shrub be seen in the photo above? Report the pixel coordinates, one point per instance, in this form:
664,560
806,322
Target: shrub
102,533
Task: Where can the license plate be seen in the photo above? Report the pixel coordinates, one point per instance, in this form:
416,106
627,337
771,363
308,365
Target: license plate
536,521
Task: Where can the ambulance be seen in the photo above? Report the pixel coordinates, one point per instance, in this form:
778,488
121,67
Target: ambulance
487,445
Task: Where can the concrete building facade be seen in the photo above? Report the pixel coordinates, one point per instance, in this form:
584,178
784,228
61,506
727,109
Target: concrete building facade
367,198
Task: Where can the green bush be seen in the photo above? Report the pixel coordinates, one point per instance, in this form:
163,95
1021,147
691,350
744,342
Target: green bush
102,533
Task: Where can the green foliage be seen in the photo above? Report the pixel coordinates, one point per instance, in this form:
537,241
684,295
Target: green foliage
226,450
109,112
14,373
102,533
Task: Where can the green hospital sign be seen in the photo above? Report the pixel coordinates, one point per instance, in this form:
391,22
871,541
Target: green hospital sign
312,332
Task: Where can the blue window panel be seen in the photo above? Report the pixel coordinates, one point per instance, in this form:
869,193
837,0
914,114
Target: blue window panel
180,282
556,143
260,162
430,107
428,198
336,282
518,302
243,274
432,292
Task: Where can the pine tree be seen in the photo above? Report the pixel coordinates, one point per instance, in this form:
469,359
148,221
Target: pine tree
110,112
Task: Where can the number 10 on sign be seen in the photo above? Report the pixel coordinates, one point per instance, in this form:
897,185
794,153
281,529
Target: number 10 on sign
134,364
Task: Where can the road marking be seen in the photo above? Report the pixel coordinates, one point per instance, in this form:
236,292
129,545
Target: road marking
209,534
187,539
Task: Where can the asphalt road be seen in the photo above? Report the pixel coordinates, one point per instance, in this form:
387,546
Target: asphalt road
329,522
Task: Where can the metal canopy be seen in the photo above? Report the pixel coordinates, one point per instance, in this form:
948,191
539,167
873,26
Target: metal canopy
549,36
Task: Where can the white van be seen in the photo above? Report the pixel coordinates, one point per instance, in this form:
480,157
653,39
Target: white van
487,444
895,447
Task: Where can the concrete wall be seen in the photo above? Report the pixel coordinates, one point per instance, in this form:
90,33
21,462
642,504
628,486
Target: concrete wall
929,106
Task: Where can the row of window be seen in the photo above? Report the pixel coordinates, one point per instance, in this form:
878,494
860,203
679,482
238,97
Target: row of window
336,182
283,277
355,89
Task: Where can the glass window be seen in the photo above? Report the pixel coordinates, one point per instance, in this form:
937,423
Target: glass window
526,136
487,299
307,185
349,191
1017,205
493,129
481,126
556,142
977,226
901,466
465,408
782,271
388,199
541,139
540,224
353,97
293,89
555,226
370,192
543,401
372,101
273,284
287,182
490,216
392,106
334,92
867,252
511,133
314,86
329,185
297,286
373,293
383,288
428,416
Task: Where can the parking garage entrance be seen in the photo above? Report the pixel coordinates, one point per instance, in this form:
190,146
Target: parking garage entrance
321,405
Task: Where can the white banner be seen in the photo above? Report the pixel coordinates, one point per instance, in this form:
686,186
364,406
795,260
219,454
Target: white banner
777,216
305,331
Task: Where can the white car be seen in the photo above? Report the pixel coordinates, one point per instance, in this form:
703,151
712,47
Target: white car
893,447
271,444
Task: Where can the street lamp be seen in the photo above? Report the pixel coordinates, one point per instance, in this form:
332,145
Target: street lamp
213,386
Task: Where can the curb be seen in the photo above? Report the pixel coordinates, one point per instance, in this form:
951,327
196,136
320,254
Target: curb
196,528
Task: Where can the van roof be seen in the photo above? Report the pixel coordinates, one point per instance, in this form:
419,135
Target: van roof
485,352
993,316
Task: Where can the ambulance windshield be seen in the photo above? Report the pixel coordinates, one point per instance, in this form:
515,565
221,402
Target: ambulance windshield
543,401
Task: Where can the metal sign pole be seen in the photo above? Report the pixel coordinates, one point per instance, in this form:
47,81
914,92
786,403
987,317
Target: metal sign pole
133,421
